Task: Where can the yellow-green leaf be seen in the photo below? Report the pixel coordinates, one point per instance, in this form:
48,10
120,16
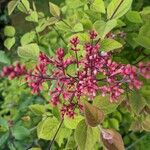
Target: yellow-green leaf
98,6
9,42
47,128
117,8
143,41
72,123
26,4
54,10
9,31
12,5
28,38
33,17
85,136
146,124
37,109
110,44
30,51
104,27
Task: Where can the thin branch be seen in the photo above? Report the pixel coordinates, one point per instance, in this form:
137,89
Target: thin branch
137,141
42,77
66,23
98,41
51,143
145,56
59,35
59,127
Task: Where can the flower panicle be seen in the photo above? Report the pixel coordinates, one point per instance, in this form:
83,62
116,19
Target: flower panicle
96,73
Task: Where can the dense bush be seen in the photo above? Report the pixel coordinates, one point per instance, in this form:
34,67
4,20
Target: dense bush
78,75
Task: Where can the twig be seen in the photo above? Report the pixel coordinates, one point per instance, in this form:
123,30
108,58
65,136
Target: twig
137,141
51,143
66,23
59,35
145,56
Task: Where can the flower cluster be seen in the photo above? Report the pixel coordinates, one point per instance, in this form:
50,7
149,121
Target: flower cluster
96,73
14,71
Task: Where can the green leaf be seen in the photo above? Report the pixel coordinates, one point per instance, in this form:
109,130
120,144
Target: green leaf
72,123
12,5
64,133
118,116
9,31
54,10
3,125
120,23
145,92
145,11
75,4
4,138
137,102
72,70
93,115
143,41
110,44
9,42
87,24
146,124
37,109
109,26
30,51
144,30
130,39
114,123
98,6
104,104
85,136
28,38
71,144
62,26
143,38
115,141
134,16
42,24
117,8
33,17
47,128
100,27
3,58
20,132
105,27
11,146
35,148
78,27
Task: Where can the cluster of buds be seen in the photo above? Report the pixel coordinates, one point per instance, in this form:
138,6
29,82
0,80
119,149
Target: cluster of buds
96,73
14,71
